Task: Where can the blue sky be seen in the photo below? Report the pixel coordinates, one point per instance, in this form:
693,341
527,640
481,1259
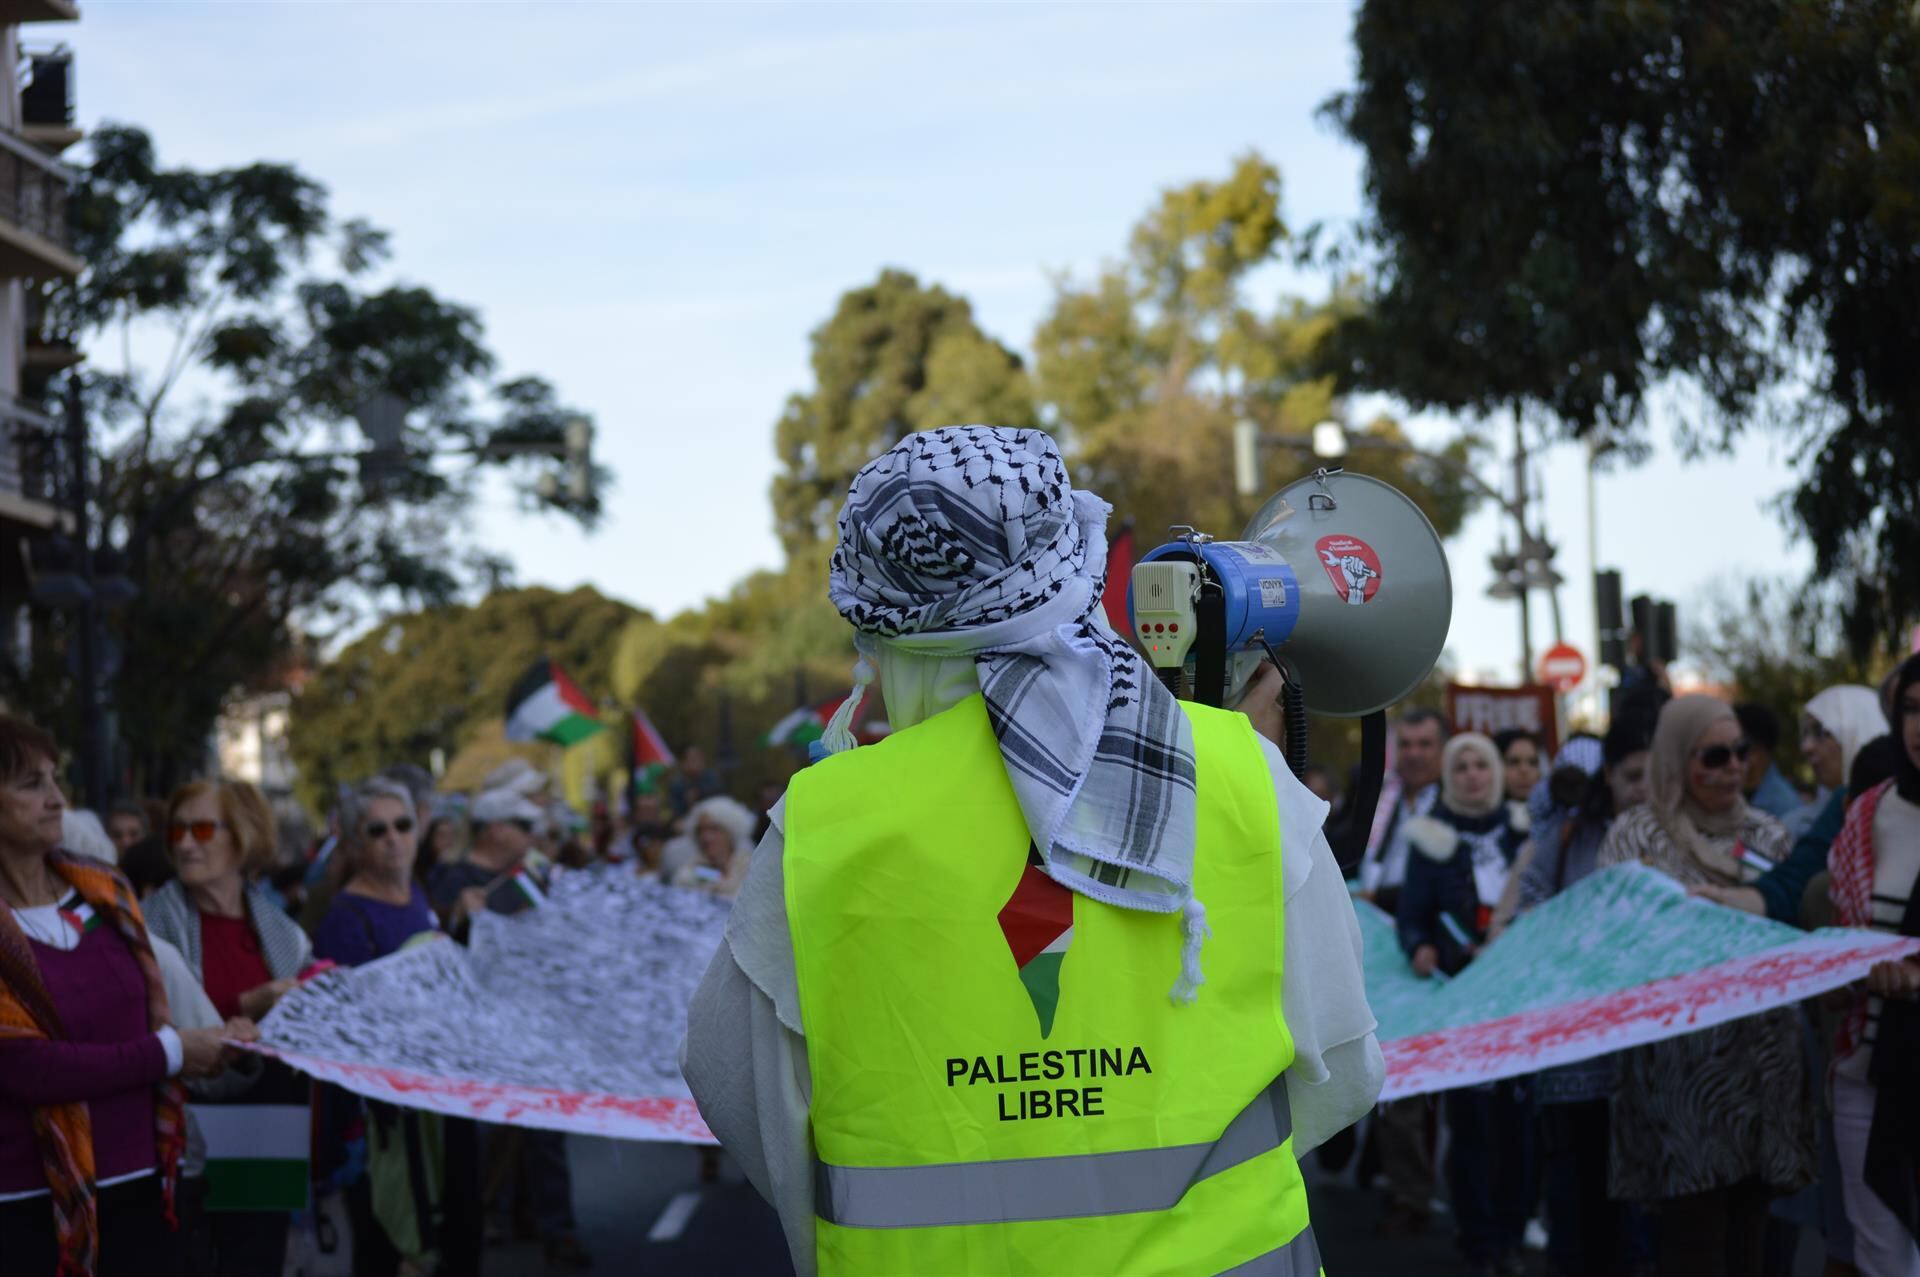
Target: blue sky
654,204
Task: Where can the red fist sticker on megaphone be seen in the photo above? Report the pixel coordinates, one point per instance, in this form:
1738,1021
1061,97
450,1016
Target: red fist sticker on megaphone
1351,565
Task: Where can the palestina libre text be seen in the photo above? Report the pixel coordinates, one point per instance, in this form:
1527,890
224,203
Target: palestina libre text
1075,1064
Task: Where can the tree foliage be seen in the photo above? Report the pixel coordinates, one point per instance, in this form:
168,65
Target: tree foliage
239,333
895,357
1146,368
1777,645
438,679
1572,207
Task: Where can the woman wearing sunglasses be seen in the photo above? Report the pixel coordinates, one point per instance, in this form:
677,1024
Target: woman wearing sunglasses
245,951
1710,1126
1835,726
380,906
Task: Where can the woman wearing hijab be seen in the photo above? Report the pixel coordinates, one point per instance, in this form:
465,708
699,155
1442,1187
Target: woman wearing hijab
1876,1119
1837,725
1466,847
1710,1126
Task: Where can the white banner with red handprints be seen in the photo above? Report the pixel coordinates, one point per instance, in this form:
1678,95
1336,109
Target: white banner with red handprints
1622,958
570,1016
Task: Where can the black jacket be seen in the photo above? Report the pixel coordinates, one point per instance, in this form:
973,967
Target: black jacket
1440,879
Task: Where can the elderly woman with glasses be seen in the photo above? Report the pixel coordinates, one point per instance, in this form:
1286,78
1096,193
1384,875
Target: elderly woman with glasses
379,906
1709,1126
245,951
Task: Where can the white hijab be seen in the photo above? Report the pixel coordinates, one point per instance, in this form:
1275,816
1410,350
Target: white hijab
1852,714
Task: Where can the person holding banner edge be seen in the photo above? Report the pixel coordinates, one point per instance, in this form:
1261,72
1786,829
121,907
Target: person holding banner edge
986,879
1710,1126
246,953
92,1123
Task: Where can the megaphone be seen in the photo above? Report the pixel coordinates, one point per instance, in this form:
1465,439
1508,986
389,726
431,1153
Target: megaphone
1339,580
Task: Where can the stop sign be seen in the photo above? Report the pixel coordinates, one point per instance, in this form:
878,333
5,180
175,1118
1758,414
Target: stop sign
1562,667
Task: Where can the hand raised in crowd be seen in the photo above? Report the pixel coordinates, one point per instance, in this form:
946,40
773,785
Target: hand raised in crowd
1895,979
1261,702
1426,960
1746,898
259,1000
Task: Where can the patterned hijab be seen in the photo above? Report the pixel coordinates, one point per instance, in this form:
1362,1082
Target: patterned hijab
1705,836
970,541
64,1131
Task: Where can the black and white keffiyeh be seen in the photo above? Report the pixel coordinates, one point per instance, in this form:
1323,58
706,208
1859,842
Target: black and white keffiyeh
971,540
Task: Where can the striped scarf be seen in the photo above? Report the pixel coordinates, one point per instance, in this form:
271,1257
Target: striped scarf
1850,868
63,1131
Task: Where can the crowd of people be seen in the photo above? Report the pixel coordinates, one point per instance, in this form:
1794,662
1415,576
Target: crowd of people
121,993
1705,1154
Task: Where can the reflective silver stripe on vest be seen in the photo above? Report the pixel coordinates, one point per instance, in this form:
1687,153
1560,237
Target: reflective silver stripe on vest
1030,1188
1298,1258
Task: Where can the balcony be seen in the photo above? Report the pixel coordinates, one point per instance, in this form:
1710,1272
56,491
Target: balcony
35,242
15,12
28,456
46,99
48,348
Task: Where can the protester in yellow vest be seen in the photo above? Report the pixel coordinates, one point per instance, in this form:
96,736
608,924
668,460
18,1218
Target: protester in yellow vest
1062,976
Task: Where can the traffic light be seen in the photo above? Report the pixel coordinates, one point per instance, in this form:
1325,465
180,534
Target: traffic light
1664,643
1611,623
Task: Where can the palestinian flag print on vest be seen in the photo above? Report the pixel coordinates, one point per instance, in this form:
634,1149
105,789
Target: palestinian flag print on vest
1038,923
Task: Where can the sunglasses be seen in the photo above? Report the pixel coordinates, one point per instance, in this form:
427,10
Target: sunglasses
1714,757
202,830
378,829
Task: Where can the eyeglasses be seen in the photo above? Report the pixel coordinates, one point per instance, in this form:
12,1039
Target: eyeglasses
378,829
202,830
1714,757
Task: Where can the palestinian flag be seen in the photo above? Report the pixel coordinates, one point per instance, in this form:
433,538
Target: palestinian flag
527,883
804,725
650,753
545,705
1119,578
1038,923
257,1155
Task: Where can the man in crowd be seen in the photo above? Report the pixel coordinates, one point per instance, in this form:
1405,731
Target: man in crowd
504,825
692,780
1766,788
1418,738
1403,1136
1002,881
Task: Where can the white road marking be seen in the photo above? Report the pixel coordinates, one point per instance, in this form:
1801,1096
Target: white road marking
673,1220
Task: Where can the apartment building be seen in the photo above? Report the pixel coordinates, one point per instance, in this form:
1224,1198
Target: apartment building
36,256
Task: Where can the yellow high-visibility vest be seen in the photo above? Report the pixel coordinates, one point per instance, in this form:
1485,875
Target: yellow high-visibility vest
1015,1098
